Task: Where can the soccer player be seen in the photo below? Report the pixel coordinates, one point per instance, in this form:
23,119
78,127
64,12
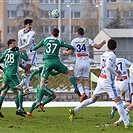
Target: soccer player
106,84
123,86
52,46
26,40
81,46
47,94
11,62
130,107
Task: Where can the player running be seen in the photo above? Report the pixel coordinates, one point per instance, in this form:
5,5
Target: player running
106,84
123,86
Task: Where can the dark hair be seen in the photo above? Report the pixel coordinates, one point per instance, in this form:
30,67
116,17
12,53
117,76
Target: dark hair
112,44
80,31
10,41
55,32
28,21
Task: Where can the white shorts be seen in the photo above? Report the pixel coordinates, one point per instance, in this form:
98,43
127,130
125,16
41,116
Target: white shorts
124,88
82,69
32,58
104,85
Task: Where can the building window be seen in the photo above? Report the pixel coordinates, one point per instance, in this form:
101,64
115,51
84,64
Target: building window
12,14
11,29
48,1
13,1
62,14
111,13
127,1
63,29
47,14
74,28
75,15
111,1
75,1
127,14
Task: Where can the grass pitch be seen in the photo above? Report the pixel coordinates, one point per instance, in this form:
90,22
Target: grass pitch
55,120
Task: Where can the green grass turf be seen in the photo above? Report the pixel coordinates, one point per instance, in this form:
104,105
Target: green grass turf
55,120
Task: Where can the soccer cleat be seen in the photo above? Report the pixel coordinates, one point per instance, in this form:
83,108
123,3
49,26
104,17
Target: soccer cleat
117,123
42,108
23,111
71,114
18,87
82,98
1,115
19,112
114,109
27,92
30,114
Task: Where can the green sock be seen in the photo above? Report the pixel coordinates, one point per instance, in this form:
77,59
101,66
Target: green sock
1,100
32,107
16,101
72,80
20,97
40,94
47,100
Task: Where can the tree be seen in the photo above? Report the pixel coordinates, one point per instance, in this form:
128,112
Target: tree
117,22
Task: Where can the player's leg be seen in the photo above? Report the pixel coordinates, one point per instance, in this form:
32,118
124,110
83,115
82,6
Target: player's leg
2,96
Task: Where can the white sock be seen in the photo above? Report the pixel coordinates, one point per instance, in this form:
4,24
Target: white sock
80,88
83,104
86,89
27,81
122,113
125,104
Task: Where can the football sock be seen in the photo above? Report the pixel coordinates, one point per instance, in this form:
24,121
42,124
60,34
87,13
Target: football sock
72,80
125,104
32,107
1,100
83,104
122,112
80,88
47,100
16,101
40,94
86,89
27,81
20,97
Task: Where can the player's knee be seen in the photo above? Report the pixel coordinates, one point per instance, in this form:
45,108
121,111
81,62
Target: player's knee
54,96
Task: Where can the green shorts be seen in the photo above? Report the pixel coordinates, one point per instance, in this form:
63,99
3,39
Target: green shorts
53,64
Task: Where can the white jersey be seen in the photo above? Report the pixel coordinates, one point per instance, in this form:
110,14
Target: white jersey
123,86
108,61
106,78
131,76
121,65
26,40
82,64
81,46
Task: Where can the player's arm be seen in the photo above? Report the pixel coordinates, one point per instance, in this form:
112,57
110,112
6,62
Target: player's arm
98,46
20,65
108,66
1,68
28,42
128,63
19,41
41,43
33,74
2,57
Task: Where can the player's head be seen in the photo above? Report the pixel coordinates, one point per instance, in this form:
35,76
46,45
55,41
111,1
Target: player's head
28,21
112,44
55,32
11,43
80,32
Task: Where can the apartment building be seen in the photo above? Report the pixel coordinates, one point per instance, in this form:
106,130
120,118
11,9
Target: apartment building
73,15
93,15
